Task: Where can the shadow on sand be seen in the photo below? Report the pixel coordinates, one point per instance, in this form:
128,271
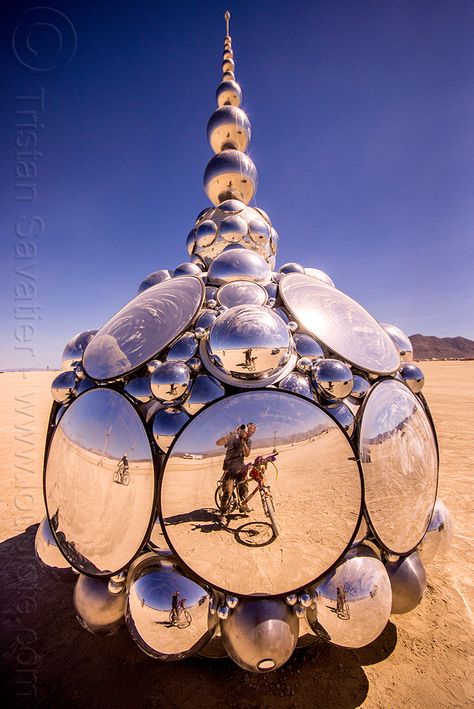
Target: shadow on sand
48,660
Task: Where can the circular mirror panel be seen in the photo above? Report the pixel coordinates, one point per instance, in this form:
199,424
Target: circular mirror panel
400,465
340,323
260,529
146,325
100,483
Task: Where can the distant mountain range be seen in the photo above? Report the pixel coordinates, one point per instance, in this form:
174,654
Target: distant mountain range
429,347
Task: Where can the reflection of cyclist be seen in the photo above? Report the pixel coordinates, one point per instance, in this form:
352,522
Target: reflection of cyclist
123,464
175,606
238,446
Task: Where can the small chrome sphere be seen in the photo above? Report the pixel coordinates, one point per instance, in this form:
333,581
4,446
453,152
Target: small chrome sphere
412,376
152,365
305,364
354,600
194,364
166,424
187,269
291,599
223,612
228,65
360,387
74,349
272,290
205,320
297,383
183,348
171,381
299,611
233,228
228,127
292,268
191,242
408,580
152,279
238,264
307,346
259,230
48,554
229,93
260,634
249,341
305,600
319,275
230,174
401,341
167,614
292,326
200,332
206,233
228,76
211,293
97,609
231,601
139,388
63,387
439,535
332,378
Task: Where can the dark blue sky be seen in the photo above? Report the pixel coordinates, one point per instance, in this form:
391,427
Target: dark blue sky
362,116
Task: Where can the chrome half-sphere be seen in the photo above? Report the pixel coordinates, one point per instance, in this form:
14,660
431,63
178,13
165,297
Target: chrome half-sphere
307,346
360,386
408,580
402,342
343,414
204,390
48,554
206,233
412,376
139,388
319,275
166,424
74,349
292,267
238,264
97,609
170,381
168,614
230,174
241,293
354,601
153,278
439,535
63,387
259,230
187,269
297,383
249,341
233,228
260,634
184,348
228,127
332,378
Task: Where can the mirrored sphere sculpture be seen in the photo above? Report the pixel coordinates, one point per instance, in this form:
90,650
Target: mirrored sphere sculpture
166,424
99,481
63,387
168,614
254,552
439,535
249,341
238,265
354,600
412,376
340,323
333,378
170,381
408,580
400,465
260,634
230,174
142,328
401,341
97,609
74,349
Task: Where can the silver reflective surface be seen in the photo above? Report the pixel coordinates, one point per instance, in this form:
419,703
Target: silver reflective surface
260,634
344,415
157,541
204,390
249,341
206,233
230,174
332,378
74,348
167,614
97,610
228,92
153,279
139,388
412,376
319,275
206,318
143,327
354,601
360,387
439,536
408,580
241,293
400,465
48,554
99,481
292,267
307,346
233,228
228,127
317,471
166,424
238,265
187,269
340,323
259,230
63,387
184,348
170,381
298,384
402,342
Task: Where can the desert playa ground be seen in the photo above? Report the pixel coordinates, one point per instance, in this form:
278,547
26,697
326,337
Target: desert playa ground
423,659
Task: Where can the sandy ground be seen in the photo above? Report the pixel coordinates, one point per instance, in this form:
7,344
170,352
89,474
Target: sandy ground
421,660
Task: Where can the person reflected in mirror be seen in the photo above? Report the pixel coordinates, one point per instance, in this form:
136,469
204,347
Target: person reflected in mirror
175,607
238,445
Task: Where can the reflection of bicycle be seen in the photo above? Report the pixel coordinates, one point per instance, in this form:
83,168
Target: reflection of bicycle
180,617
121,475
342,609
252,531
